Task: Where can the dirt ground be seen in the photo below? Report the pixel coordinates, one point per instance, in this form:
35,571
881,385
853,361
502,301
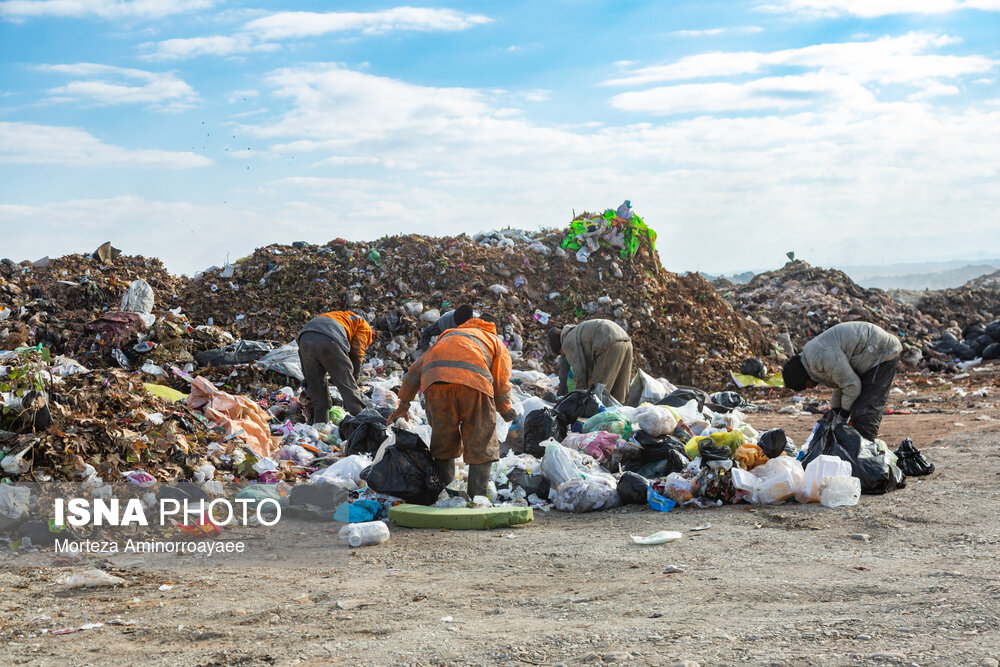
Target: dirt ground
912,577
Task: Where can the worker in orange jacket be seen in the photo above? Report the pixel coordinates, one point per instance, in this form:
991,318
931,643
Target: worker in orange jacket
465,378
334,343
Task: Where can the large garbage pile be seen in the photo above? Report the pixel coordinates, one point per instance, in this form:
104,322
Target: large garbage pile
975,303
679,327
803,301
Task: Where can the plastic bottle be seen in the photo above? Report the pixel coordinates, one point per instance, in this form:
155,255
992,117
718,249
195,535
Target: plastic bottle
364,534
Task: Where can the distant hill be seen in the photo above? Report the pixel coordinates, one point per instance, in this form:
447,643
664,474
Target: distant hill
945,279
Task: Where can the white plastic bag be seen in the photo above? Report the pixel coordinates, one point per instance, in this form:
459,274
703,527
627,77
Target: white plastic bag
820,468
138,298
13,500
596,492
90,579
557,464
840,490
346,469
773,482
655,420
661,537
284,359
646,389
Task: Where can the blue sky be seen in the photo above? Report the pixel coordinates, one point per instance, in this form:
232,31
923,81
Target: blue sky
852,131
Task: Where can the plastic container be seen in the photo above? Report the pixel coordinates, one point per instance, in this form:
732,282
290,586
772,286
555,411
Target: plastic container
840,491
364,534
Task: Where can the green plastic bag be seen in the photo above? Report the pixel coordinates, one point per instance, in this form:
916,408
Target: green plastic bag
337,414
610,421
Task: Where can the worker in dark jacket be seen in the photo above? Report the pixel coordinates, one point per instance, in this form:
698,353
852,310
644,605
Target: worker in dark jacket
857,359
334,343
465,378
597,351
450,320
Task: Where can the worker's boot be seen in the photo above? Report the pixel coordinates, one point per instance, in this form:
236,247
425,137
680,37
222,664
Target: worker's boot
445,470
479,479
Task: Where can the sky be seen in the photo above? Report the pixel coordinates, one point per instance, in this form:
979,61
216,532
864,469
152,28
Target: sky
848,131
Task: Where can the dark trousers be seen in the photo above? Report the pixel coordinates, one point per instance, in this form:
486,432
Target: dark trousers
866,413
321,355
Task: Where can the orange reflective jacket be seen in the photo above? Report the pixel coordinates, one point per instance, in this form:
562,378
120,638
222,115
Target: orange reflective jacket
469,355
359,334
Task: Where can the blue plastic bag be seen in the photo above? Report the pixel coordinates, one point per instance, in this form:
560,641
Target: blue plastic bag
658,502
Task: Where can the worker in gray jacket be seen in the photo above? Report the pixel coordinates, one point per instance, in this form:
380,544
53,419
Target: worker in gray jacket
597,351
857,359
450,320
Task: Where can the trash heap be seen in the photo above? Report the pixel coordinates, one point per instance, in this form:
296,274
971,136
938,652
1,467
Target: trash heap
978,342
975,303
687,448
804,301
679,327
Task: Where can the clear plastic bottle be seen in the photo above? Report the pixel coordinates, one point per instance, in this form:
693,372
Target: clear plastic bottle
364,534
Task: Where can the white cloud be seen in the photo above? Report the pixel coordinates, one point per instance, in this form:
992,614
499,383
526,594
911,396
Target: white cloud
27,143
105,85
260,34
934,89
106,9
713,32
886,60
284,25
217,45
781,93
875,8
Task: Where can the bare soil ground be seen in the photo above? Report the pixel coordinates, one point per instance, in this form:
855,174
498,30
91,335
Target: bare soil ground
779,585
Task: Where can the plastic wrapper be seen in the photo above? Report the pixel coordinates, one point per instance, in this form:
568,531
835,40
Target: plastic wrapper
596,492
661,537
749,456
679,488
655,420
840,491
610,421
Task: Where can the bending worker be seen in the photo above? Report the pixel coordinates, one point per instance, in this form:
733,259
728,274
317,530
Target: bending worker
858,360
465,378
597,351
450,320
334,343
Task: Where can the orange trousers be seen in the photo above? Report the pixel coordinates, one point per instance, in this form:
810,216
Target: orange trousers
463,423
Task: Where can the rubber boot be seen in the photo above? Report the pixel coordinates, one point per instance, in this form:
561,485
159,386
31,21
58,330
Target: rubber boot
479,479
445,470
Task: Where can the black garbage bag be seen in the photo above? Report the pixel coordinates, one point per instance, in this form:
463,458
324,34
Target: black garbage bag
755,367
366,438
317,502
682,396
911,461
773,442
656,449
576,405
975,346
709,451
405,471
674,461
240,352
725,401
539,426
986,340
38,532
632,488
973,331
993,329
946,343
349,424
833,437
991,351
392,323
536,484
963,352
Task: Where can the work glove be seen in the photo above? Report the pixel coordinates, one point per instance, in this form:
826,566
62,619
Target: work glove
842,413
402,411
509,415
